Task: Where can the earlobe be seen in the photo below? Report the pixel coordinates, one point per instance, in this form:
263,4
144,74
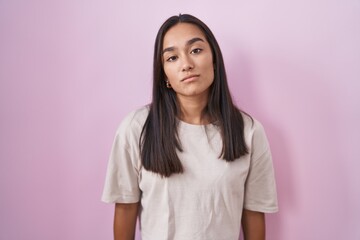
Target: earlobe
168,85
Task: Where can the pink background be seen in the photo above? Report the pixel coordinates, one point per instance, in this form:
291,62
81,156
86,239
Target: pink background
70,71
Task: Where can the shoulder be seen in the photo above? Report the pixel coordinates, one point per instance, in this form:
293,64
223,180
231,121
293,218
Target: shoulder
136,118
255,135
133,122
251,124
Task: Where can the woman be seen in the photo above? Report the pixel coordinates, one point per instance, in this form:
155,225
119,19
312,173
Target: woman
191,164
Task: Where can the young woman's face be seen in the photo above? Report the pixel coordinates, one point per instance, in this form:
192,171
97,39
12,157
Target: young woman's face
187,60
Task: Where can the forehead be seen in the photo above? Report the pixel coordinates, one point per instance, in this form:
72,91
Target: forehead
179,34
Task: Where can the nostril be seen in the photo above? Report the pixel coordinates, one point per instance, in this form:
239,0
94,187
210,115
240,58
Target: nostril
187,68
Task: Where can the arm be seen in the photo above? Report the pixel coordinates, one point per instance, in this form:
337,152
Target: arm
125,221
253,225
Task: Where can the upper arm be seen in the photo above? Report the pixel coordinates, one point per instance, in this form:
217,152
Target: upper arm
125,220
260,188
122,177
131,209
253,225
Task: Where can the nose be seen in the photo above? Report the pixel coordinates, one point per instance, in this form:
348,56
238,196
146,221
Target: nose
187,64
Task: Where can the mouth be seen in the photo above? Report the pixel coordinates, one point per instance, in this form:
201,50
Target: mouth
190,77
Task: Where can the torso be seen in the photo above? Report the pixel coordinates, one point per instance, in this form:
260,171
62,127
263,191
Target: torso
204,202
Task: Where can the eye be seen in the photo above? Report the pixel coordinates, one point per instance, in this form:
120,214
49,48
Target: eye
196,51
171,59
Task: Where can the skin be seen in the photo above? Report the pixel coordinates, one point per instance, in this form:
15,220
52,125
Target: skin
125,220
253,225
186,53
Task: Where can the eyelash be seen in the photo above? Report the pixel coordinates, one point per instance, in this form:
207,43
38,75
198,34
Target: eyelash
198,50
194,51
171,59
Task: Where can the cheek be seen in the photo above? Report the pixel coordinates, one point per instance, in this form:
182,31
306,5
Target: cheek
207,64
169,72
209,68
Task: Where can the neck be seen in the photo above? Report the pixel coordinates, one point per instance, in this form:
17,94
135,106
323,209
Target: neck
192,109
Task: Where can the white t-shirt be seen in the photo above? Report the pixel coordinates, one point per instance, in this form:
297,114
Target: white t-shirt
206,201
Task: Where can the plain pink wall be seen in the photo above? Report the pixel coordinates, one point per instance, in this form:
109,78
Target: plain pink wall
70,70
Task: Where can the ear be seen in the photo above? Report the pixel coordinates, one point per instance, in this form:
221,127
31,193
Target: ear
168,85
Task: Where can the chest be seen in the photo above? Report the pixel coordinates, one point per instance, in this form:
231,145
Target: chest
204,170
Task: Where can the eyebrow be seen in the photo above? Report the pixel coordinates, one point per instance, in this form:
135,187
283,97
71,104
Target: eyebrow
189,42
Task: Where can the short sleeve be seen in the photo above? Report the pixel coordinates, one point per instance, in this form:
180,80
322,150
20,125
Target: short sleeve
260,186
122,177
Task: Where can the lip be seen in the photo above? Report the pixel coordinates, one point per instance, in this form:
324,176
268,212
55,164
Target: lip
190,77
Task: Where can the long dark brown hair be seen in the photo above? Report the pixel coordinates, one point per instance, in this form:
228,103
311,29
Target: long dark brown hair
159,137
